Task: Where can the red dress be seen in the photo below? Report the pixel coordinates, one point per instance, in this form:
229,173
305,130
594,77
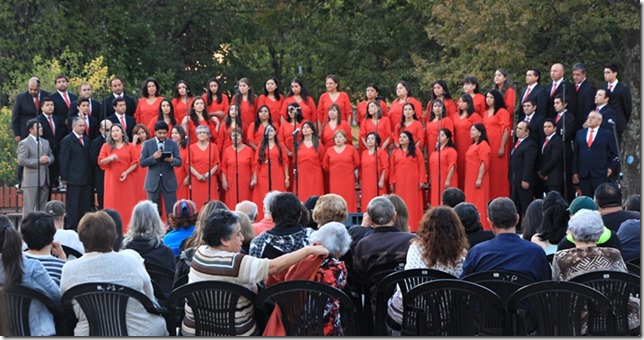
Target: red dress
214,106
369,178
181,108
153,122
274,106
431,132
463,140
341,167
416,130
223,137
510,98
277,175
120,196
202,162
254,136
477,154
326,136
479,103
494,126
451,110
145,112
181,173
396,109
139,175
362,110
244,170
285,137
407,173
448,157
384,131
309,169
192,130
325,102
308,108
248,112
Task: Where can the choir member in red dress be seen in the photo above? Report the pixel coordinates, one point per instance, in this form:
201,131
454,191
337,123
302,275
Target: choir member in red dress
334,96
341,161
182,98
246,101
300,95
203,167
236,170
369,177
404,95
373,95
440,91
408,177
462,126
216,101
442,167
438,119
310,154
477,172
374,121
255,132
178,135
231,121
148,106
140,134
503,84
410,123
166,114
498,124
270,149
273,99
285,132
471,87
119,158
332,125
197,116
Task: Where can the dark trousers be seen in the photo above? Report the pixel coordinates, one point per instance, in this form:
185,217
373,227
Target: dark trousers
78,202
169,198
589,184
521,197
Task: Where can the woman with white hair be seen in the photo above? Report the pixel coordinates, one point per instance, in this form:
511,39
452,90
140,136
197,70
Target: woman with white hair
203,167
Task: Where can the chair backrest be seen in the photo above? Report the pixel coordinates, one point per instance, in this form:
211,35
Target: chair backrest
17,301
366,287
406,280
71,251
162,280
449,307
303,303
633,268
105,305
552,308
213,304
503,283
619,288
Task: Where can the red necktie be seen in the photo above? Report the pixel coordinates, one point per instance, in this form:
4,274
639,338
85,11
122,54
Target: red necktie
590,138
122,119
544,145
51,125
577,87
89,112
516,145
527,93
610,87
527,119
554,88
558,117
80,139
37,103
66,97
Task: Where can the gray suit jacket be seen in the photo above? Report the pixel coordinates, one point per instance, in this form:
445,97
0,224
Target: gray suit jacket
160,170
28,158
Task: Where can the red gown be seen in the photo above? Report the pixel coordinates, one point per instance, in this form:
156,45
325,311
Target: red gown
192,130
384,131
341,167
476,154
274,106
254,136
277,175
139,175
325,102
369,178
248,112
406,175
181,108
326,136
431,132
214,106
447,159
223,137
120,196
510,98
463,140
145,112
181,173
494,126
416,130
451,110
309,169
202,162
479,103
308,108
362,110
285,137
396,109
244,170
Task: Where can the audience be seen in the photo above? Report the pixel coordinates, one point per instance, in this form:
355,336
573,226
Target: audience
608,237
310,204
329,208
66,237
267,222
531,222
118,224
632,203
608,198
247,231
629,235
249,208
554,224
452,196
402,213
182,220
38,231
471,221
145,236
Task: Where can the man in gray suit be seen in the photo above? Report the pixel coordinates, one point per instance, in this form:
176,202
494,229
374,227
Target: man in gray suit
35,155
161,155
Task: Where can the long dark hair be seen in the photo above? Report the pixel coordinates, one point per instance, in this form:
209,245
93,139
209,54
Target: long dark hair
411,148
431,108
298,112
448,134
160,117
175,93
555,218
193,114
414,116
473,81
304,93
258,121
11,250
209,92
368,115
182,133
229,121
263,147
481,128
238,98
506,84
443,84
499,103
470,104
144,87
277,93
376,136
315,139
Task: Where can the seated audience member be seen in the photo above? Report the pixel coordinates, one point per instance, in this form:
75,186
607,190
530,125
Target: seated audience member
247,231
66,237
441,244
632,203
145,235
506,251
182,219
19,270
471,220
267,222
249,208
101,264
554,224
629,234
310,204
608,237
402,213
330,208
287,235
118,224
38,231
452,196
608,198
531,222
222,238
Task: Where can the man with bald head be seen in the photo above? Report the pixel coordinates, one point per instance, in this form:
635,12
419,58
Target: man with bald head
99,174
596,156
559,86
25,107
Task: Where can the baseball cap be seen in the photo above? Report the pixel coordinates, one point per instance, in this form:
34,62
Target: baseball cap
581,202
184,208
55,208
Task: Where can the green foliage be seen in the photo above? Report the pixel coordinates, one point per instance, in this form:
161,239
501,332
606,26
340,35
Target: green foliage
8,150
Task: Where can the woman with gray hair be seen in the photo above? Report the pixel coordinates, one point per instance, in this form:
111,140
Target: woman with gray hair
203,167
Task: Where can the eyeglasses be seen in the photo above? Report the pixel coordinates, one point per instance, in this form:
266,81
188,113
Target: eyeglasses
200,132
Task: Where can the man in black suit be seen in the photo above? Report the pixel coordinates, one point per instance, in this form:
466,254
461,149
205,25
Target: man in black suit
562,114
53,130
584,95
26,106
602,100
120,117
75,172
559,86
107,108
523,158
95,150
91,124
533,119
85,90
535,92
63,99
551,161
621,101
596,156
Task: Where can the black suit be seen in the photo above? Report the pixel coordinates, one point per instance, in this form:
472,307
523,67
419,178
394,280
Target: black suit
622,104
99,174
54,143
570,130
592,164
607,115
129,124
536,127
107,109
93,127
539,95
60,107
522,169
551,164
24,109
585,98
75,169
571,99
95,108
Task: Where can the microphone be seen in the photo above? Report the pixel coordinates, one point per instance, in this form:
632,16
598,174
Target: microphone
267,130
161,146
611,122
296,132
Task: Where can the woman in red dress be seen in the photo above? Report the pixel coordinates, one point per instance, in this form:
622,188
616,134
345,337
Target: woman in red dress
166,114
197,116
255,132
369,177
285,132
462,125
178,135
404,95
410,123
498,125
300,95
332,125
477,172
203,167
231,121
442,167
408,177
270,149
341,161
372,93
237,170
216,101
503,84
438,119
471,87
182,99
375,122
246,101
119,158
440,91
148,106
334,96
273,99
310,154
140,134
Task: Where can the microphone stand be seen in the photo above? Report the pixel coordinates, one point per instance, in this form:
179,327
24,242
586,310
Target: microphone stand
236,169
619,156
375,155
438,149
563,137
189,166
38,166
209,175
268,161
295,167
